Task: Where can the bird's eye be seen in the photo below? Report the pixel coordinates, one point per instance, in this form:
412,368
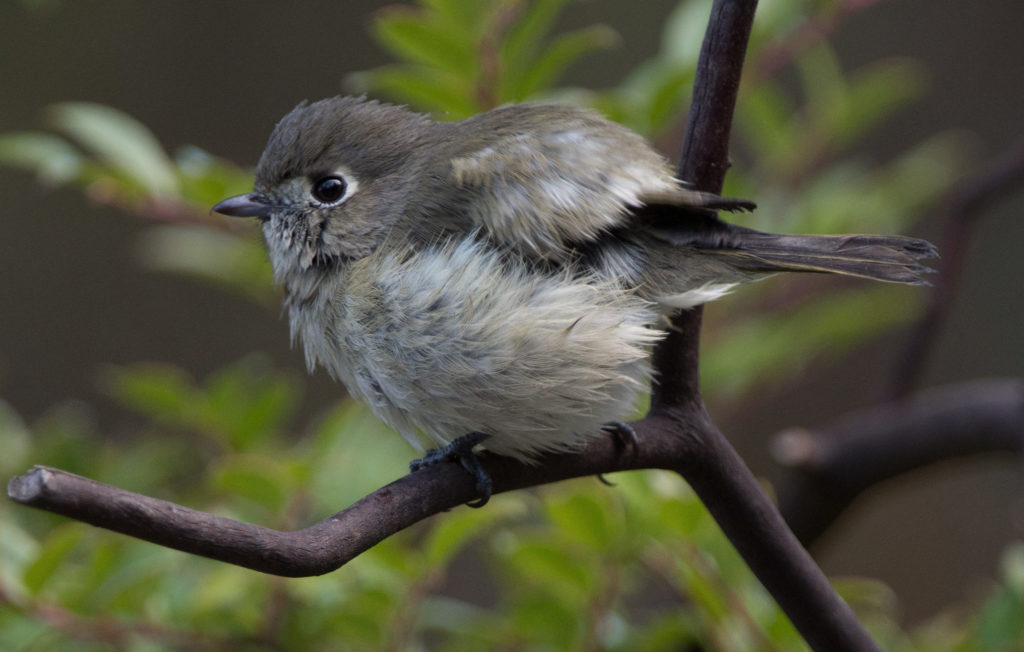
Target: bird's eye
329,190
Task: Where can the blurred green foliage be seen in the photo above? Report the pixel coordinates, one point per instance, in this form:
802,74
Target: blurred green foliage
640,566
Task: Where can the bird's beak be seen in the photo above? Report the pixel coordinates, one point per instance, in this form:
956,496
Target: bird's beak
250,205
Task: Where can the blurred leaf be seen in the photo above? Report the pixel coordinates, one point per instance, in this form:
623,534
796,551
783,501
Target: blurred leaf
684,32
121,141
465,15
875,93
206,179
454,616
546,621
249,402
765,119
460,57
162,391
234,262
59,544
356,453
998,625
422,87
52,158
426,38
265,482
525,37
450,536
19,549
15,441
229,598
556,58
584,519
1013,568
558,570
781,344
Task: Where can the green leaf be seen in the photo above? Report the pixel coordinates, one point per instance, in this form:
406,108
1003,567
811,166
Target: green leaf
420,86
61,543
421,38
457,529
559,570
206,179
121,141
51,157
533,25
234,261
524,37
266,482
162,391
546,622
766,117
684,32
466,15
823,84
781,344
248,402
557,57
584,519
874,93
15,440
19,550
356,453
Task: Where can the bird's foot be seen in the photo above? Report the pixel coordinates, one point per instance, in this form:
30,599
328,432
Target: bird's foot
461,450
624,436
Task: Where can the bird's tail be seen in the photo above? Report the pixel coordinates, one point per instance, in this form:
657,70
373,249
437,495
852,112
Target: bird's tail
879,257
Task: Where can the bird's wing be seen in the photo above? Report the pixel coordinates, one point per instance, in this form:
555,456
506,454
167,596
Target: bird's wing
546,186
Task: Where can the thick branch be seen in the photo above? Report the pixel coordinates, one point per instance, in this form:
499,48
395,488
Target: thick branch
331,543
710,464
704,162
830,467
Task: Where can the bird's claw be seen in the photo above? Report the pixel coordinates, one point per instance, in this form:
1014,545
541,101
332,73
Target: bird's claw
461,450
624,436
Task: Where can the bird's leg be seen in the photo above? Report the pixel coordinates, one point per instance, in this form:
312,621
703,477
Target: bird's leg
461,450
624,436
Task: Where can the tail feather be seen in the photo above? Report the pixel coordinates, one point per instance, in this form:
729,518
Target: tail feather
882,258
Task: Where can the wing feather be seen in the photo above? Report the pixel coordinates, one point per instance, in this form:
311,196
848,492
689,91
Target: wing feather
556,177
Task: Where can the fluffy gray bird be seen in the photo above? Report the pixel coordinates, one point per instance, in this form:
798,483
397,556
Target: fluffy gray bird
502,279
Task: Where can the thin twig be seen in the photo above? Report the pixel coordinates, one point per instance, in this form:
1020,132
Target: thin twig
963,206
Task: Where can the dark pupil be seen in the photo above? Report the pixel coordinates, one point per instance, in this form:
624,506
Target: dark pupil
329,190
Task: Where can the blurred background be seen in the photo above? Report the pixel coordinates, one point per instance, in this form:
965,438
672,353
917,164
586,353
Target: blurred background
75,298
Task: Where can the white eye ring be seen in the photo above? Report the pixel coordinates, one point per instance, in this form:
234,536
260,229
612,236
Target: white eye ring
332,189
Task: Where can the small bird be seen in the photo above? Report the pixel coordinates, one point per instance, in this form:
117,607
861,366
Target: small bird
500,281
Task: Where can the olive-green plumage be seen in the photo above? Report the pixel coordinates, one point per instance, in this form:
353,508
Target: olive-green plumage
506,274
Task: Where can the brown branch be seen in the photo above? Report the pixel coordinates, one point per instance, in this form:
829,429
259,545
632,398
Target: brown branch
963,206
831,466
709,463
677,435
331,543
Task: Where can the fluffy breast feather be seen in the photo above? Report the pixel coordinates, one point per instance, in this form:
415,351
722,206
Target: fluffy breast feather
459,338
